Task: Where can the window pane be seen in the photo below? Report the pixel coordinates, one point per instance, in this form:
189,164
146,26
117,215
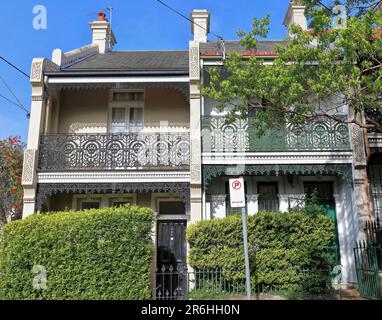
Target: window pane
135,96
268,196
118,116
171,208
136,118
120,203
89,205
120,96
118,119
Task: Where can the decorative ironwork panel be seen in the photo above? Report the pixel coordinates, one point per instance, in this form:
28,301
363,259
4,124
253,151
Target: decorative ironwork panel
114,151
47,189
242,136
342,170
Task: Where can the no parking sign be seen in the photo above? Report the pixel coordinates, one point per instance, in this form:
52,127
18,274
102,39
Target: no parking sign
236,193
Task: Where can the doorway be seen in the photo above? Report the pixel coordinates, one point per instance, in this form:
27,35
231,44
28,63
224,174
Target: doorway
171,276
322,194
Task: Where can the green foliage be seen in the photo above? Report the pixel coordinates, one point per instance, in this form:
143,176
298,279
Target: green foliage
11,191
209,294
314,74
92,254
304,295
287,250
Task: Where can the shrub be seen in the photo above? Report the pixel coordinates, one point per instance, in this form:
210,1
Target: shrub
287,250
92,254
209,294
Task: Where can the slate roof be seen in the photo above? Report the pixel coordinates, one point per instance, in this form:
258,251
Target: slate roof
156,62
133,61
263,47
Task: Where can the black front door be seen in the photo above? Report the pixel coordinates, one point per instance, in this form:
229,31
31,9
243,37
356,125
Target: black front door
171,248
171,276
171,279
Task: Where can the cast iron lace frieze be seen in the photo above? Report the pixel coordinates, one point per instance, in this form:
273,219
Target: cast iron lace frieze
342,170
182,189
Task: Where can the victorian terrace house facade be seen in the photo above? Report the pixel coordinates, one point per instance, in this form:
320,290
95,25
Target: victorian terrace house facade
113,127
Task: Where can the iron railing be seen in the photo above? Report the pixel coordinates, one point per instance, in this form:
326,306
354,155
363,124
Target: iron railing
375,178
299,203
272,205
180,284
368,279
242,136
373,230
114,151
377,205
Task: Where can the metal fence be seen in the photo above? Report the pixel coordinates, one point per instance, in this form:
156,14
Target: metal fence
373,230
366,262
182,284
272,205
377,205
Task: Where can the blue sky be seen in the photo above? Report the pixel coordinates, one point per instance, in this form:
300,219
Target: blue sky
138,25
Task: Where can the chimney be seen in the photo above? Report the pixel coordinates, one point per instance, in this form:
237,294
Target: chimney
296,15
200,26
103,36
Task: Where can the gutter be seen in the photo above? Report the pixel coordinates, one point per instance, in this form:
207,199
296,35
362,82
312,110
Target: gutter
87,73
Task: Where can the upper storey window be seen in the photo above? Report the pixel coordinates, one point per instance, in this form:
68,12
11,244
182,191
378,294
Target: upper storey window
126,112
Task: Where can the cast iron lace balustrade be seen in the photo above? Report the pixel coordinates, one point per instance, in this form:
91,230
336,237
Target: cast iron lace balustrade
241,136
147,151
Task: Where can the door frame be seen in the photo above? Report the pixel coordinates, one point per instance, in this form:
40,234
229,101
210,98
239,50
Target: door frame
156,198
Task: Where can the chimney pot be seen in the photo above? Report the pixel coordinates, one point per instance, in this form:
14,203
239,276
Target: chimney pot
101,16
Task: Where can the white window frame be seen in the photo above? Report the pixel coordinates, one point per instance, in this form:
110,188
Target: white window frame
127,105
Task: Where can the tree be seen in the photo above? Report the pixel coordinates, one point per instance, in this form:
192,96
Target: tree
11,191
343,64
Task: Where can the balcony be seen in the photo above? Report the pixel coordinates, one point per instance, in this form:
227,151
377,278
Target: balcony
242,136
130,151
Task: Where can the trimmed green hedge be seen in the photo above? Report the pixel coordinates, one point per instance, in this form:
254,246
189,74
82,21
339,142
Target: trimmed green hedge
92,254
281,245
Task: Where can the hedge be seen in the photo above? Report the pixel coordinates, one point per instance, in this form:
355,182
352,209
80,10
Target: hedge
91,254
287,250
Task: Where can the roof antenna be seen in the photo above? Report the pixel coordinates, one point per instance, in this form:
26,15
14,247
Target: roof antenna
221,44
110,9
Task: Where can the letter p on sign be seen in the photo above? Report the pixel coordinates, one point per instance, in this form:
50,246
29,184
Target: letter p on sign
236,193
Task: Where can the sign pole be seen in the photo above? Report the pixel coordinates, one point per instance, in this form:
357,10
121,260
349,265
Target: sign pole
246,255
237,200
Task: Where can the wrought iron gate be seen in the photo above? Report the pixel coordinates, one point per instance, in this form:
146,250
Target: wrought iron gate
366,262
171,273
